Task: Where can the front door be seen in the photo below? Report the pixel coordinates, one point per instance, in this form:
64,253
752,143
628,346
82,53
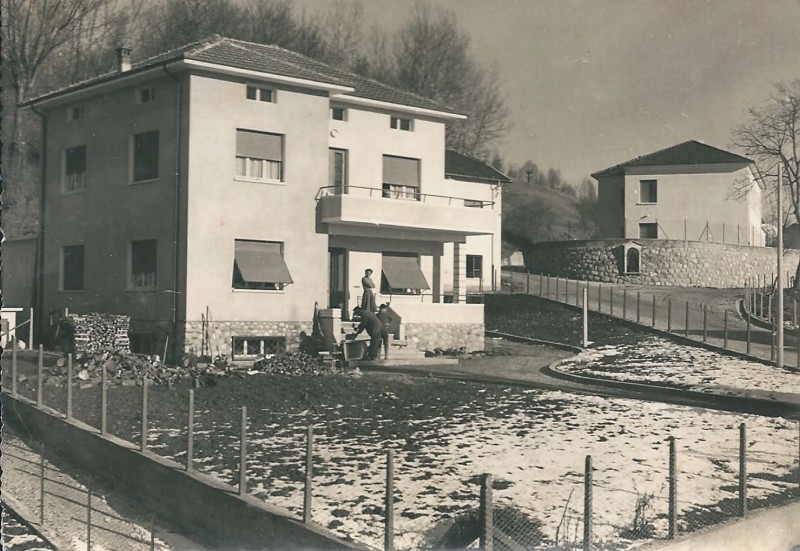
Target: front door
337,283
337,170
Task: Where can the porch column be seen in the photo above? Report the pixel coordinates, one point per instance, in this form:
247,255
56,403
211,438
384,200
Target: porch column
459,272
437,278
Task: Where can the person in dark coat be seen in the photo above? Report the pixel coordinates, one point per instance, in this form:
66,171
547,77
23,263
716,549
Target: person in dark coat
386,321
374,327
368,286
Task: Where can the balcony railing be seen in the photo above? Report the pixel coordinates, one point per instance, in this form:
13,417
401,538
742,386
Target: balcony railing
405,195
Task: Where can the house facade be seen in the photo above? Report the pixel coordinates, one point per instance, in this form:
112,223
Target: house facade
690,191
218,192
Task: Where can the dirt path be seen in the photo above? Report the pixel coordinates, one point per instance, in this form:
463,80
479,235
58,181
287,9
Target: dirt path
116,521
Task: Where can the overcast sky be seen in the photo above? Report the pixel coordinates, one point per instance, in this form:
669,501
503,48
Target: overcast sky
591,83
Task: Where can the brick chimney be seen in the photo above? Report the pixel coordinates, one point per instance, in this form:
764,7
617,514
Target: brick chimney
123,59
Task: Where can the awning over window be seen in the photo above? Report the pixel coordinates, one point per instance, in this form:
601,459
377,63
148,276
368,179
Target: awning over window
259,145
403,272
400,171
261,262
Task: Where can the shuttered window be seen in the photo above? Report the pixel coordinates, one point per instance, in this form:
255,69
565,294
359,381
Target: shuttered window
259,155
144,263
75,169
401,177
259,265
401,274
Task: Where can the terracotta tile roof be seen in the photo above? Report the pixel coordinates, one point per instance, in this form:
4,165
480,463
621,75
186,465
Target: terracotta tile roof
458,166
689,152
268,59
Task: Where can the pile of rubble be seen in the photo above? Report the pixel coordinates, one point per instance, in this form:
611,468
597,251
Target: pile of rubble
92,333
294,363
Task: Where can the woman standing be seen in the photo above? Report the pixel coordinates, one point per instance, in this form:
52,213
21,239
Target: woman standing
368,299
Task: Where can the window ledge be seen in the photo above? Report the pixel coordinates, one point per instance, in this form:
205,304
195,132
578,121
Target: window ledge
644,203
264,291
259,181
137,182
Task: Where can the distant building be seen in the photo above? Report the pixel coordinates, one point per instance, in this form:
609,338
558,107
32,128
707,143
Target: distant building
245,183
690,191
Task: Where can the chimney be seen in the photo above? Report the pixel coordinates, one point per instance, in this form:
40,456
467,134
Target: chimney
123,59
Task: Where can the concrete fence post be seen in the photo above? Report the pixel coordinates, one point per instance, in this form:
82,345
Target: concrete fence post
585,317
654,311
547,293
798,348
794,313
638,306
40,378
705,322
673,490
686,327
243,454
587,505
599,297
611,301
527,283
153,532
486,515
388,521
309,474
41,484
103,400
725,330
541,281
772,341
624,303
748,334
30,329
577,292
190,433
143,443
557,297
742,470
69,387
566,290
669,315
14,367
89,514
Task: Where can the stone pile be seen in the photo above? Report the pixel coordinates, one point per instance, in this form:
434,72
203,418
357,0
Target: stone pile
94,332
294,363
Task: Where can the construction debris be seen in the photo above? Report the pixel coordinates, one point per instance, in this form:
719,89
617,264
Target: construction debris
91,333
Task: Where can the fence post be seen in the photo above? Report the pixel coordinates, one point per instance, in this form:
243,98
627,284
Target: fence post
686,328
798,348
705,320
388,522
566,290
557,278
39,382
14,367
30,330
190,434
654,310
725,331
742,470
673,489
309,474
153,532
625,303
587,505
599,297
103,400
748,334
243,454
69,387
547,294
89,514
611,295
585,316
669,315
144,415
577,292
794,313
541,281
528,282
638,306
41,484
772,341
486,515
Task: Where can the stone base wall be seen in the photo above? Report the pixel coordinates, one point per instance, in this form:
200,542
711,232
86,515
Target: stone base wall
663,262
222,332
427,336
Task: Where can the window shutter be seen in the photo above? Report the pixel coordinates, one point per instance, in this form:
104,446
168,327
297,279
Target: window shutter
400,171
259,145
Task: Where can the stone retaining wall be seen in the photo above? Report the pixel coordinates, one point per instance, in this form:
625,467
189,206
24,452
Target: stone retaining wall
222,332
427,336
663,262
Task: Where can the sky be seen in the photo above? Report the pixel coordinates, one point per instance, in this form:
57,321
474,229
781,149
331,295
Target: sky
592,83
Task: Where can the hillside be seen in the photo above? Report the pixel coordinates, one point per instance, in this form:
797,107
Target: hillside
539,213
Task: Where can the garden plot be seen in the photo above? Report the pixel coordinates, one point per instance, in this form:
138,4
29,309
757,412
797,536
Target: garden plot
533,442
660,361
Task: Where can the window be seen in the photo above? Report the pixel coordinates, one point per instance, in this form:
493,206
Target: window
401,274
145,95
74,169
259,156
74,113
648,191
250,347
474,265
261,94
472,203
648,231
401,178
339,113
400,123
72,268
145,156
143,263
259,265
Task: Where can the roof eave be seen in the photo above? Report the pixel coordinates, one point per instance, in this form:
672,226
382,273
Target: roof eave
483,179
422,111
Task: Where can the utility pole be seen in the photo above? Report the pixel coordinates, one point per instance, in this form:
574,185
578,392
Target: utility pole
779,281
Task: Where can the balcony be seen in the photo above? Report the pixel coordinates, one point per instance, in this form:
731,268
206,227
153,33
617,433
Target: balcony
418,215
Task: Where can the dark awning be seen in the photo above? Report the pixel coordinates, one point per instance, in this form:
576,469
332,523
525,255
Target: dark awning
261,262
403,272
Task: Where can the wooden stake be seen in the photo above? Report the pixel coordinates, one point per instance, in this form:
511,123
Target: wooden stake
725,331
89,514
585,317
654,311
388,505
69,387
624,304
673,490
486,515
705,324
748,334
669,315
41,484
587,505
541,281
742,470
243,454
686,328
144,415
611,299
309,474
190,434
103,400
528,283
30,330
14,367
40,382
599,297
638,306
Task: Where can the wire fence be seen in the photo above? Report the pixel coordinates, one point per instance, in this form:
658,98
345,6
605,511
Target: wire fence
332,470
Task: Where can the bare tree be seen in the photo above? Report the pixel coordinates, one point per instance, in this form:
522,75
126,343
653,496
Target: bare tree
771,137
343,33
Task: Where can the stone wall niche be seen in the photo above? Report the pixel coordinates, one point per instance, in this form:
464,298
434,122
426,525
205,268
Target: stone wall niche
632,258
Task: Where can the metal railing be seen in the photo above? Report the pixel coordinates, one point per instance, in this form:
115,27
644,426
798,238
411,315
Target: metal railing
333,191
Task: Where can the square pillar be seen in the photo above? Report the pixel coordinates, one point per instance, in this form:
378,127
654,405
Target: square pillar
437,278
459,272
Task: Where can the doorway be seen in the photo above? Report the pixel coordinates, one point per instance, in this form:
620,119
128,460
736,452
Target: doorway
337,280
337,170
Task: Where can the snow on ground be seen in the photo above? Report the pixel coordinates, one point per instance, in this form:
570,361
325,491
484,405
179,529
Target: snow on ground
534,442
19,537
658,360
